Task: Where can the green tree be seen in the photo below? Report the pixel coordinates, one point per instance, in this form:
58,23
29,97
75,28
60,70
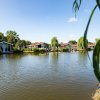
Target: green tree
12,37
28,42
97,39
72,42
18,45
21,44
54,43
1,36
81,43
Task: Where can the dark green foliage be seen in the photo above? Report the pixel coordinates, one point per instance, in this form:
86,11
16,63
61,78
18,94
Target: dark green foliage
81,43
35,50
15,50
21,44
27,42
1,36
65,50
98,3
96,59
12,37
76,5
42,50
27,49
72,42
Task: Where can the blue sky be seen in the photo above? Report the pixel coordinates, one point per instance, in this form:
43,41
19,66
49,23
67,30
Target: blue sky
40,20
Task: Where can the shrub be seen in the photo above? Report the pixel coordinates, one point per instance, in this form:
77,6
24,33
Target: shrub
35,50
64,49
27,49
42,50
15,50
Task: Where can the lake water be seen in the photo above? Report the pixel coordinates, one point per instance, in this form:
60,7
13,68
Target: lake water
62,76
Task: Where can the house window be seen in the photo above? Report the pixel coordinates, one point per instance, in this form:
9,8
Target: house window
39,46
5,49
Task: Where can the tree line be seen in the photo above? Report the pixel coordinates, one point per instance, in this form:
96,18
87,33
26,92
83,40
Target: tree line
55,43
18,44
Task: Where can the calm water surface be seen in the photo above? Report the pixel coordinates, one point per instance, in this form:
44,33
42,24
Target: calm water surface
62,76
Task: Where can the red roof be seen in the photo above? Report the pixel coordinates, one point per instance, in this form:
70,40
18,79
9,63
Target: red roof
63,44
90,44
36,43
74,45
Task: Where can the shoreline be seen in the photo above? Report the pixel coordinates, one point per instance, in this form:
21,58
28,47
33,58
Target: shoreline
96,95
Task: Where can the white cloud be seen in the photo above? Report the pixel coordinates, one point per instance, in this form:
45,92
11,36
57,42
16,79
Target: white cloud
72,19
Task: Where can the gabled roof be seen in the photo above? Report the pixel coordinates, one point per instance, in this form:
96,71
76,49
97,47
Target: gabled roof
63,44
74,45
3,42
37,43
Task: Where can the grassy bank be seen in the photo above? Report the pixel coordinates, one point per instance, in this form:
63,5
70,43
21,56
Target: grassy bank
34,50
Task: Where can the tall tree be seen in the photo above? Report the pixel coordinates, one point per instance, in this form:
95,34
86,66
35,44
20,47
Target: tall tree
18,45
81,43
54,43
21,44
12,37
1,36
28,42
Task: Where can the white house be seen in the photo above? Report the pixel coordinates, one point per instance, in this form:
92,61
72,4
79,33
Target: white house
6,47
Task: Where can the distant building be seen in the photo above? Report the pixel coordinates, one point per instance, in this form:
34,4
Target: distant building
6,47
41,45
63,45
72,47
91,45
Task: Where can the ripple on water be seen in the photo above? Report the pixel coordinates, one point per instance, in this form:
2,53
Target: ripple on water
63,76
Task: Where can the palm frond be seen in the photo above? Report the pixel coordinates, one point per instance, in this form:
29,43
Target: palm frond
76,5
98,3
87,27
96,59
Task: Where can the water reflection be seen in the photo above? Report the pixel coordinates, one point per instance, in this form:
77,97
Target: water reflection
53,76
37,54
12,56
83,58
54,55
54,61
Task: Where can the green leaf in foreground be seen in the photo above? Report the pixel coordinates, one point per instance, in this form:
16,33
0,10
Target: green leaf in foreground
98,3
76,5
96,59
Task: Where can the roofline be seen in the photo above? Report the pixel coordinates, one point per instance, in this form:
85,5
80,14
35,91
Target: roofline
6,42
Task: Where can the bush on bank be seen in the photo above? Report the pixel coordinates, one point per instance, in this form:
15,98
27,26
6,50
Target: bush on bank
35,50
15,50
64,50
